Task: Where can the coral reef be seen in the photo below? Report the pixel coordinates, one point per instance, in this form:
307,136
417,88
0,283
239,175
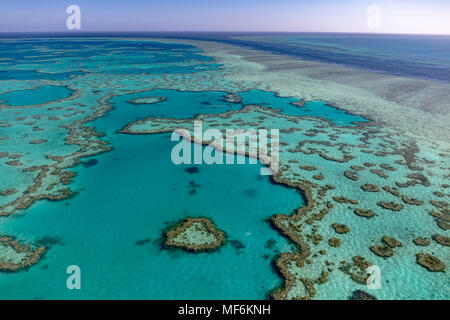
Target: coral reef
356,269
333,149
302,226
370,187
233,98
362,295
340,228
282,264
391,242
382,251
421,242
147,100
442,240
366,213
430,262
390,205
196,235
386,250
334,242
15,256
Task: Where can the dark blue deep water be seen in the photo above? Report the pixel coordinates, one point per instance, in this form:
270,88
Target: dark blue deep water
421,56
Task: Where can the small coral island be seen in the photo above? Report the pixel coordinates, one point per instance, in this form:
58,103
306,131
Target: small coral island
15,256
195,235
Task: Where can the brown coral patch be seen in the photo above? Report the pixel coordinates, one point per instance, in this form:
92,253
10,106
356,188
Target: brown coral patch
32,255
412,201
8,192
382,251
442,240
38,141
345,200
421,242
147,100
392,191
308,168
443,225
368,164
430,262
318,177
390,205
438,194
420,177
391,242
334,242
370,187
233,98
14,163
340,228
442,215
323,278
362,295
386,250
364,213
207,224
351,175
439,204
387,167
315,238
309,286
356,269
281,264
380,173
408,183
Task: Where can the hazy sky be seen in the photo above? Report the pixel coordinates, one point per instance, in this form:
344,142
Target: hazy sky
396,16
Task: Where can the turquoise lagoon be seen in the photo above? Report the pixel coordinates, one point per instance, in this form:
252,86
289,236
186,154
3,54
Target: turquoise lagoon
40,95
187,104
131,195
320,109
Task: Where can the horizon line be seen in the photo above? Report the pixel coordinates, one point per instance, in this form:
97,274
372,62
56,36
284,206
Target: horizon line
74,32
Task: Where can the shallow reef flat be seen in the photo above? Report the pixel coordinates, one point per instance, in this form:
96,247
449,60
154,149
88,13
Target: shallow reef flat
369,152
16,256
196,235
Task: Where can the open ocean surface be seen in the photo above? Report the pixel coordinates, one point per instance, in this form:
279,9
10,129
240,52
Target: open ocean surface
422,56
